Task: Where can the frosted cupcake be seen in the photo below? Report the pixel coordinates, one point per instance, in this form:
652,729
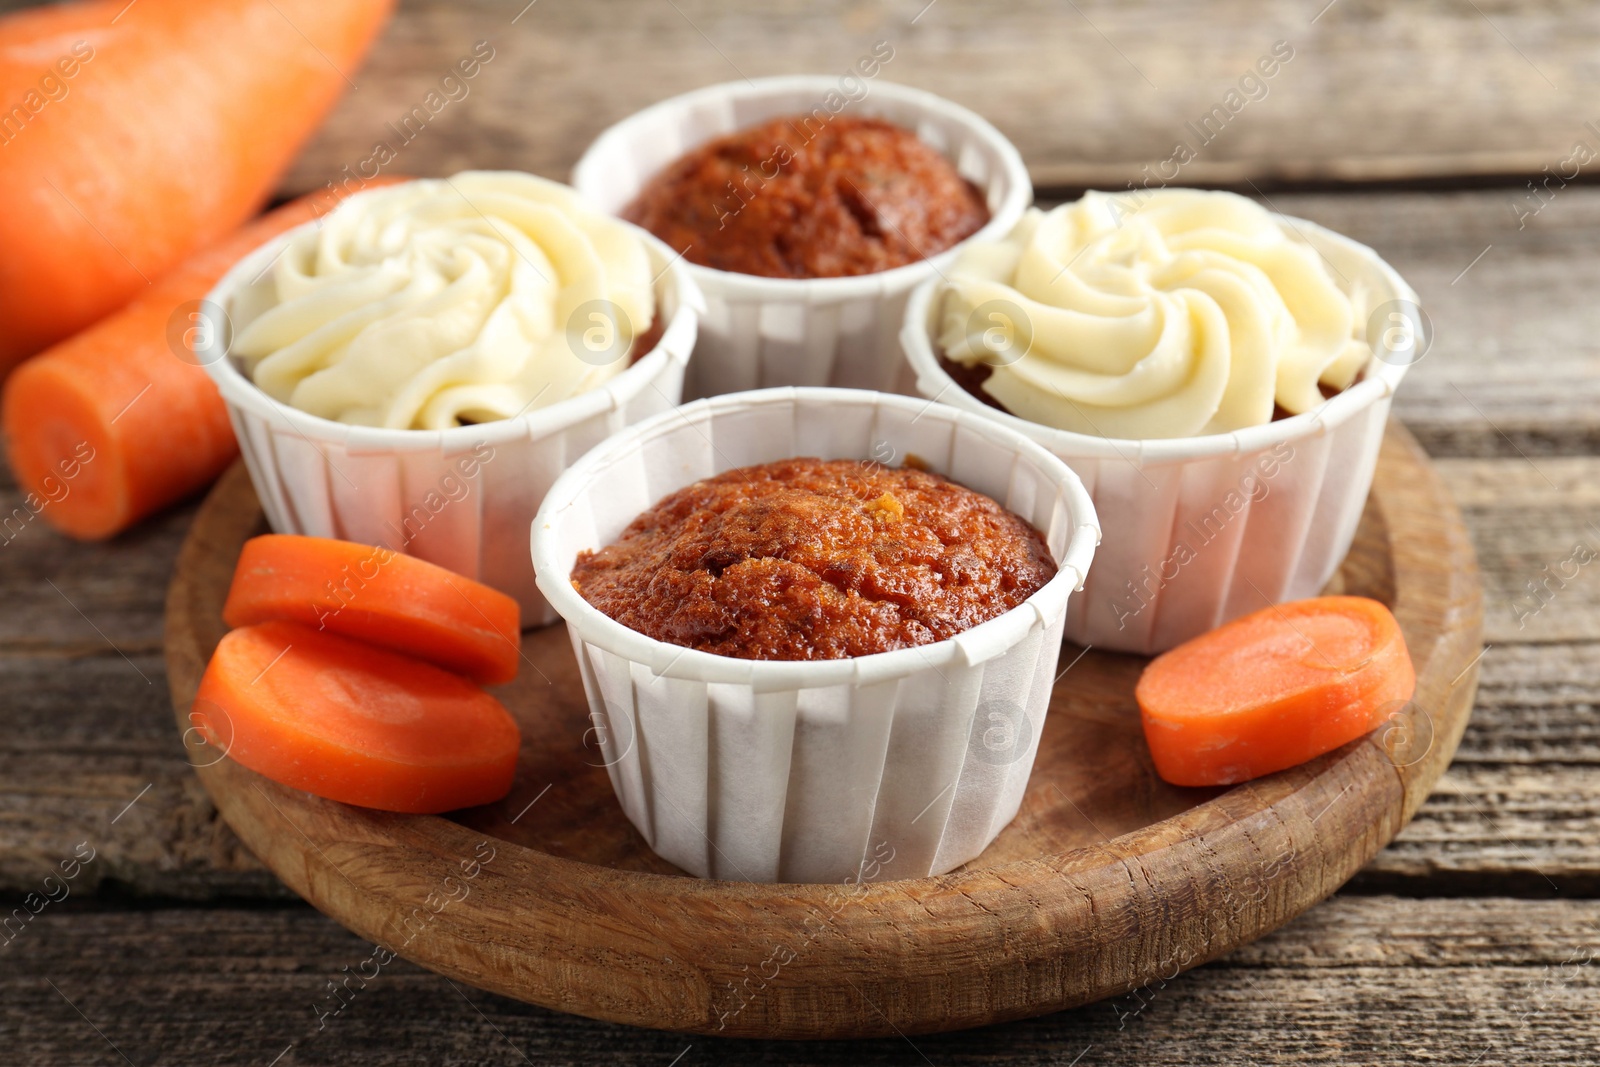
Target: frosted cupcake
415,369
1208,369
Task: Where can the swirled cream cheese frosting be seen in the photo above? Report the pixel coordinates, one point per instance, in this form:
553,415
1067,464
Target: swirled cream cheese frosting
1167,314
439,302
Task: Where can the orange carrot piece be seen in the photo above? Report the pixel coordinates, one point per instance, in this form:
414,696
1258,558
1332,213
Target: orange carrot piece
132,135
112,425
379,596
353,723
1273,689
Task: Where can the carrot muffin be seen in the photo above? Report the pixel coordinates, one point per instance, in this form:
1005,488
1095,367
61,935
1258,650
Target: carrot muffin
807,559
799,198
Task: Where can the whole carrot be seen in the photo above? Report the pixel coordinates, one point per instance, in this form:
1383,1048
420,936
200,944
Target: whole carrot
134,134
114,424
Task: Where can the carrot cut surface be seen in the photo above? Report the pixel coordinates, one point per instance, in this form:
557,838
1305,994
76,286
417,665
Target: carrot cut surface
114,424
1273,689
353,723
380,596
135,134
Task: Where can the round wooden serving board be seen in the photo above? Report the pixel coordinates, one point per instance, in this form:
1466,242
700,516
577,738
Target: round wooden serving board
1109,878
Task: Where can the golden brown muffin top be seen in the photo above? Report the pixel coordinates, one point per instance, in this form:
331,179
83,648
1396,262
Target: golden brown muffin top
800,197
809,559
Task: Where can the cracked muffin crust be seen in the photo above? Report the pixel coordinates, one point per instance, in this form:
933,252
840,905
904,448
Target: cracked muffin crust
806,559
798,197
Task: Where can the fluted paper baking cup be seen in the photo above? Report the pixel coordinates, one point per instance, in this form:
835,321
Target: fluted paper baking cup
759,332
1201,530
896,765
463,497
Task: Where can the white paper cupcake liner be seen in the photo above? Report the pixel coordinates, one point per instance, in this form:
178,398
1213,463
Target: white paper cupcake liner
897,765
1201,530
464,497
762,332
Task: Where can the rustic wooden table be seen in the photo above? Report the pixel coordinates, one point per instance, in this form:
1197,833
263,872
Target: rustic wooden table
1470,940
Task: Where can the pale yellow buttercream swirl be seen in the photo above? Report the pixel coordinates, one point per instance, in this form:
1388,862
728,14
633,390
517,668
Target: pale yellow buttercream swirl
1162,314
437,302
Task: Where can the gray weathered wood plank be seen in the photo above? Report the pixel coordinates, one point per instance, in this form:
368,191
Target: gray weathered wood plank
1536,526
1090,92
91,756
1370,980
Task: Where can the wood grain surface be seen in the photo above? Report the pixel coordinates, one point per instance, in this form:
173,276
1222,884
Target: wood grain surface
1090,92
1369,980
1108,879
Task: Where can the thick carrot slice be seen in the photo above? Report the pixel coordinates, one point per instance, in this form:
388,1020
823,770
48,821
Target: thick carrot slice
1273,689
112,425
380,596
116,168
354,723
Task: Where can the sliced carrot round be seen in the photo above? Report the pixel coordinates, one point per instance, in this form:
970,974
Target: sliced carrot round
1273,689
353,723
382,597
